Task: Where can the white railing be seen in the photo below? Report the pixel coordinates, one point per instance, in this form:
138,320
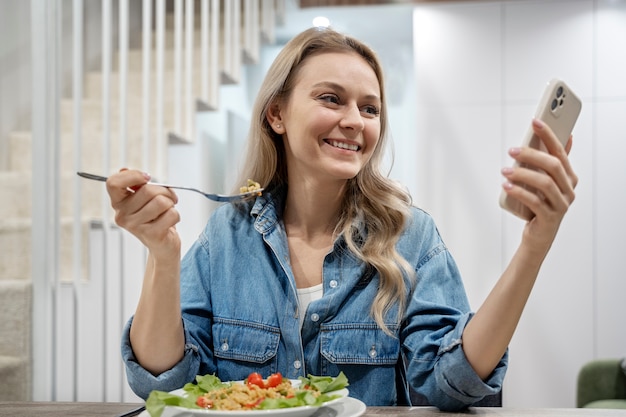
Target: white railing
79,310
45,193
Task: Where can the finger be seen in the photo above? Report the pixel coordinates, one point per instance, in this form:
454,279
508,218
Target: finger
159,229
568,145
136,200
537,190
533,160
146,205
555,148
539,184
528,198
121,184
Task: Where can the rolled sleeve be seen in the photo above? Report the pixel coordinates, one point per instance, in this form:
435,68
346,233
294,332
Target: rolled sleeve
456,378
142,381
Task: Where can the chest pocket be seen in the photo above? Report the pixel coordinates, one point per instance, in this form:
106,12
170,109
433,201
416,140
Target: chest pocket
244,341
358,344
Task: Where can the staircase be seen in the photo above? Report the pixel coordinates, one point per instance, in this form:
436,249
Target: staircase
16,184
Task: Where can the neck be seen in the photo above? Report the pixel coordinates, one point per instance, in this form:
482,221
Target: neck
312,211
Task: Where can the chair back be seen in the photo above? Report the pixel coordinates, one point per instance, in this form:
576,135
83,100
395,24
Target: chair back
600,379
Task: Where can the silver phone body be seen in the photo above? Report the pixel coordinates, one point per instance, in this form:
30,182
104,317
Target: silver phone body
559,108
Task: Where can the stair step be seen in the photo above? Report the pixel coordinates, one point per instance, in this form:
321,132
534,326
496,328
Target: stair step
20,158
17,188
92,111
93,85
15,310
15,339
15,378
16,255
168,37
135,55
170,17
134,59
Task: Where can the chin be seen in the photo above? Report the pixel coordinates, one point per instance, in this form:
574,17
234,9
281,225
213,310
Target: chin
347,175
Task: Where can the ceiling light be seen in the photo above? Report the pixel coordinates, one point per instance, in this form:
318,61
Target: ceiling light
321,21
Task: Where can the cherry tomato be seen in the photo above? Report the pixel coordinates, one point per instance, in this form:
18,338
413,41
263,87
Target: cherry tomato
255,378
274,380
204,402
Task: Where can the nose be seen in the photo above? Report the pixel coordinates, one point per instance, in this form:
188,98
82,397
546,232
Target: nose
352,118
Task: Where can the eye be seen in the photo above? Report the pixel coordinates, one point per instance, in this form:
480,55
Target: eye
329,98
370,109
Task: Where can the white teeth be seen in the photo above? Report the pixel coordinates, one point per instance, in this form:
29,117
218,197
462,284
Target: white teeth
343,145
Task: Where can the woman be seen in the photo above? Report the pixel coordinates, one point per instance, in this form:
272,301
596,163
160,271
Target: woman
331,268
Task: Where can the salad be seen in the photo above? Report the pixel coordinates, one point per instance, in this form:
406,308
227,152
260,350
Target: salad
254,393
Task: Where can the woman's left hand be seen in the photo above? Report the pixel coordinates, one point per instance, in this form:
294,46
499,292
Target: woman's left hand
551,181
551,176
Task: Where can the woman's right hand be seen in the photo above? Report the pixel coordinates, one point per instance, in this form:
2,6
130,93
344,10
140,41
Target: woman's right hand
146,211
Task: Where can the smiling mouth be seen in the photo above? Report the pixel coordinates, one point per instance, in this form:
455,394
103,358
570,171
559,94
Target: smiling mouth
343,145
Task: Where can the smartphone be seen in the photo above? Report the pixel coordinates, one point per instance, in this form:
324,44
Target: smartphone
558,108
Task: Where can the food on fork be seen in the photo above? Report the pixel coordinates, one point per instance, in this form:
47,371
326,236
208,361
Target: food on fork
250,186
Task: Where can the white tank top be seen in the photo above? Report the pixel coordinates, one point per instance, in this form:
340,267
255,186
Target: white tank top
306,296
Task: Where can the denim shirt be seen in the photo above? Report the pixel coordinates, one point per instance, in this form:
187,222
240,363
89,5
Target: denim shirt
240,315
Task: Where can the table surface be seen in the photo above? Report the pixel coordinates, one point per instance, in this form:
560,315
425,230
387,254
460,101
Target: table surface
86,409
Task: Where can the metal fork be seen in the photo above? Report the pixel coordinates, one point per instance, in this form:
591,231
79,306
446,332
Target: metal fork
214,197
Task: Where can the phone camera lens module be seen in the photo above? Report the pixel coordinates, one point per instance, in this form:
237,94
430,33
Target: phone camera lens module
559,92
555,103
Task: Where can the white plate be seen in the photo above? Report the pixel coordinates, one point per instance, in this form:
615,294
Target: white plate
343,407
303,411
346,407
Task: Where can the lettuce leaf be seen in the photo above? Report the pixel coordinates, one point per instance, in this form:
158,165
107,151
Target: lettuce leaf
325,384
158,400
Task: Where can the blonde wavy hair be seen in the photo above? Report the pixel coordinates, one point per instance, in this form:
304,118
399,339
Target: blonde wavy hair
373,204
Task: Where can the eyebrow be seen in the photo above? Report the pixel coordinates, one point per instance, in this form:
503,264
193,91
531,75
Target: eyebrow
342,89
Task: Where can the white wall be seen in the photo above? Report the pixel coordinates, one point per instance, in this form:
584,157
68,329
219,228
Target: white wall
480,68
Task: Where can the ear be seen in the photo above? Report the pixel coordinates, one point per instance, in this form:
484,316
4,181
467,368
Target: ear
275,119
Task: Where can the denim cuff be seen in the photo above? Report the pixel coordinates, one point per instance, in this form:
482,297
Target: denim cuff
456,377
142,381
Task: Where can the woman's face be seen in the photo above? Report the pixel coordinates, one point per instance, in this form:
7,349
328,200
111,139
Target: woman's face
331,122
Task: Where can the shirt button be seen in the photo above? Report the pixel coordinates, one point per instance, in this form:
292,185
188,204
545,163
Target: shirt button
224,346
373,352
333,284
297,364
315,317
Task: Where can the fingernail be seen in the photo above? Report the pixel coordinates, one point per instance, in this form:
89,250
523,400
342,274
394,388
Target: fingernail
514,151
506,171
147,176
507,185
538,123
